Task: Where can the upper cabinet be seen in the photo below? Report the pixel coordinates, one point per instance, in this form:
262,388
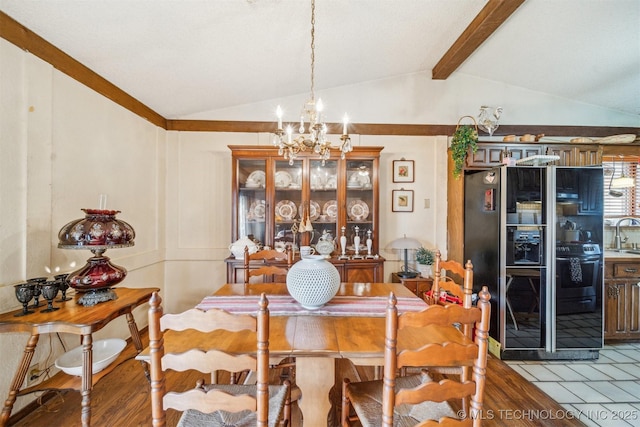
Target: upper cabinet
490,154
278,203
576,154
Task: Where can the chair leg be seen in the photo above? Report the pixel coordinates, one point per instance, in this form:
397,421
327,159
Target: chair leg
345,418
286,418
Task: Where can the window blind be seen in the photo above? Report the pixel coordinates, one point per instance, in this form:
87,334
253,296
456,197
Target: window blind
627,203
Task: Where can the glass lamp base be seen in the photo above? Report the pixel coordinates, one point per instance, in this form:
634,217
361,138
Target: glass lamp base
95,297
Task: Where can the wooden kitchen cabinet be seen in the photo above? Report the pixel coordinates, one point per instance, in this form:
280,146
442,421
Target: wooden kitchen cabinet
490,154
622,300
272,198
575,154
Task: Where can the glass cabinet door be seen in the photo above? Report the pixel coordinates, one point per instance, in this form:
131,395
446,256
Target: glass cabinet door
322,207
359,208
288,206
251,203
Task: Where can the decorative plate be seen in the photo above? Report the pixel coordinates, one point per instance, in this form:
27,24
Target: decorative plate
357,210
330,209
316,181
332,182
354,181
283,179
314,210
359,179
257,209
257,177
286,209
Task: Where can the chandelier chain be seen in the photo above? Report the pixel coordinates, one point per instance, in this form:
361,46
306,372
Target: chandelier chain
316,138
313,48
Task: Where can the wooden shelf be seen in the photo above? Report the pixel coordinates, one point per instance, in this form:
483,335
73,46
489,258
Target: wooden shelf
63,381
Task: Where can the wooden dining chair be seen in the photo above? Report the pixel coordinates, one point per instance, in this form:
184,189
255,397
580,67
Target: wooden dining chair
461,290
458,283
416,339
258,264
213,404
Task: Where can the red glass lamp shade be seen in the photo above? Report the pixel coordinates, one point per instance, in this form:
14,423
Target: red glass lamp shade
98,231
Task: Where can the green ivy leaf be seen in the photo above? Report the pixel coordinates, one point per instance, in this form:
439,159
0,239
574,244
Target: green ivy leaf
464,137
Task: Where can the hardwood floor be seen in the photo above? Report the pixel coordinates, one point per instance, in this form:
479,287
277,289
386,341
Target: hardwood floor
122,399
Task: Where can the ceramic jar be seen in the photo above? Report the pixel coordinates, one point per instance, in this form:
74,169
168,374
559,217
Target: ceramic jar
313,281
325,248
237,248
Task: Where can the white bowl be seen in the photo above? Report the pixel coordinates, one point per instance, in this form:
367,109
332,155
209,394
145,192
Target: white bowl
104,352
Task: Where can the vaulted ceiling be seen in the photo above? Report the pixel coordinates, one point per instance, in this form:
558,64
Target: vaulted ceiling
181,58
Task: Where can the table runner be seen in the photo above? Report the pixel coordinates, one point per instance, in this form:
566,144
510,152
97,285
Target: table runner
285,305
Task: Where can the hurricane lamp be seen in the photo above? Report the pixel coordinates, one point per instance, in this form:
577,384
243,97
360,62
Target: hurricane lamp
98,231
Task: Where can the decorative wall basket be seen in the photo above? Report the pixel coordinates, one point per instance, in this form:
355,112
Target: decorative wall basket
313,281
465,137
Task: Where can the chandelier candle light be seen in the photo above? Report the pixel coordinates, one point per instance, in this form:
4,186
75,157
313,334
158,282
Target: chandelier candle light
316,139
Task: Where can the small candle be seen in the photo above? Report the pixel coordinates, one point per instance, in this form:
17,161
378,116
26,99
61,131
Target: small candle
279,115
289,132
345,121
102,202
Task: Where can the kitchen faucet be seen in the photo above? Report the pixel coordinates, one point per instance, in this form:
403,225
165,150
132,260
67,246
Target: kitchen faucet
618,238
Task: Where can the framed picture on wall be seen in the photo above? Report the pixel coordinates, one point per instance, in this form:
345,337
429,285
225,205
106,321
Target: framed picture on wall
402,200
403,170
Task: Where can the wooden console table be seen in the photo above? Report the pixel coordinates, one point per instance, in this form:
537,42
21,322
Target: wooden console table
418,285
74,319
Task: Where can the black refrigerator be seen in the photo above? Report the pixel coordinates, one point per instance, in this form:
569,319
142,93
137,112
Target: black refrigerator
534,235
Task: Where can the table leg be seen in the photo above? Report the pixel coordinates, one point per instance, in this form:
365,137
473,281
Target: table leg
315,376
87,378
18,378
137,342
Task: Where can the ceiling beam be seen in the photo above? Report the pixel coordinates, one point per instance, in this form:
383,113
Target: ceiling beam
488,20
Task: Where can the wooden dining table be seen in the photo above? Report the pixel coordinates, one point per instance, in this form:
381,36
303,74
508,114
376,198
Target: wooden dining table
351,326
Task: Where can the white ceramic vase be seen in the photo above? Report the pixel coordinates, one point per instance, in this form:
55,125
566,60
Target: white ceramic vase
313,281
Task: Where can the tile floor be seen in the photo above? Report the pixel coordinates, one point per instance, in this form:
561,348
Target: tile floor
605,392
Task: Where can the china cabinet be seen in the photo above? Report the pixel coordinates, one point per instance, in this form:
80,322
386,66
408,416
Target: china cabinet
306,202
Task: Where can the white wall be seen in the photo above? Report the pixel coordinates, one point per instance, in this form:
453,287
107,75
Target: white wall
61,145
416,99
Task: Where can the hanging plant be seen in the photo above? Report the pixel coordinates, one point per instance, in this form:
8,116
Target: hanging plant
464,137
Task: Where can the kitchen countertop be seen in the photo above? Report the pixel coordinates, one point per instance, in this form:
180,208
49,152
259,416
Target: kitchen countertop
612,254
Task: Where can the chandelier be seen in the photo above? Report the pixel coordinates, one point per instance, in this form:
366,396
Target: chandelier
314,137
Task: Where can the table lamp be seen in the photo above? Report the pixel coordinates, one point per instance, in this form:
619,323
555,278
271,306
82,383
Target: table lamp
405,243
98,231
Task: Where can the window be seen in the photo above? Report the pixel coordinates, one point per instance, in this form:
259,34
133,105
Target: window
621,201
